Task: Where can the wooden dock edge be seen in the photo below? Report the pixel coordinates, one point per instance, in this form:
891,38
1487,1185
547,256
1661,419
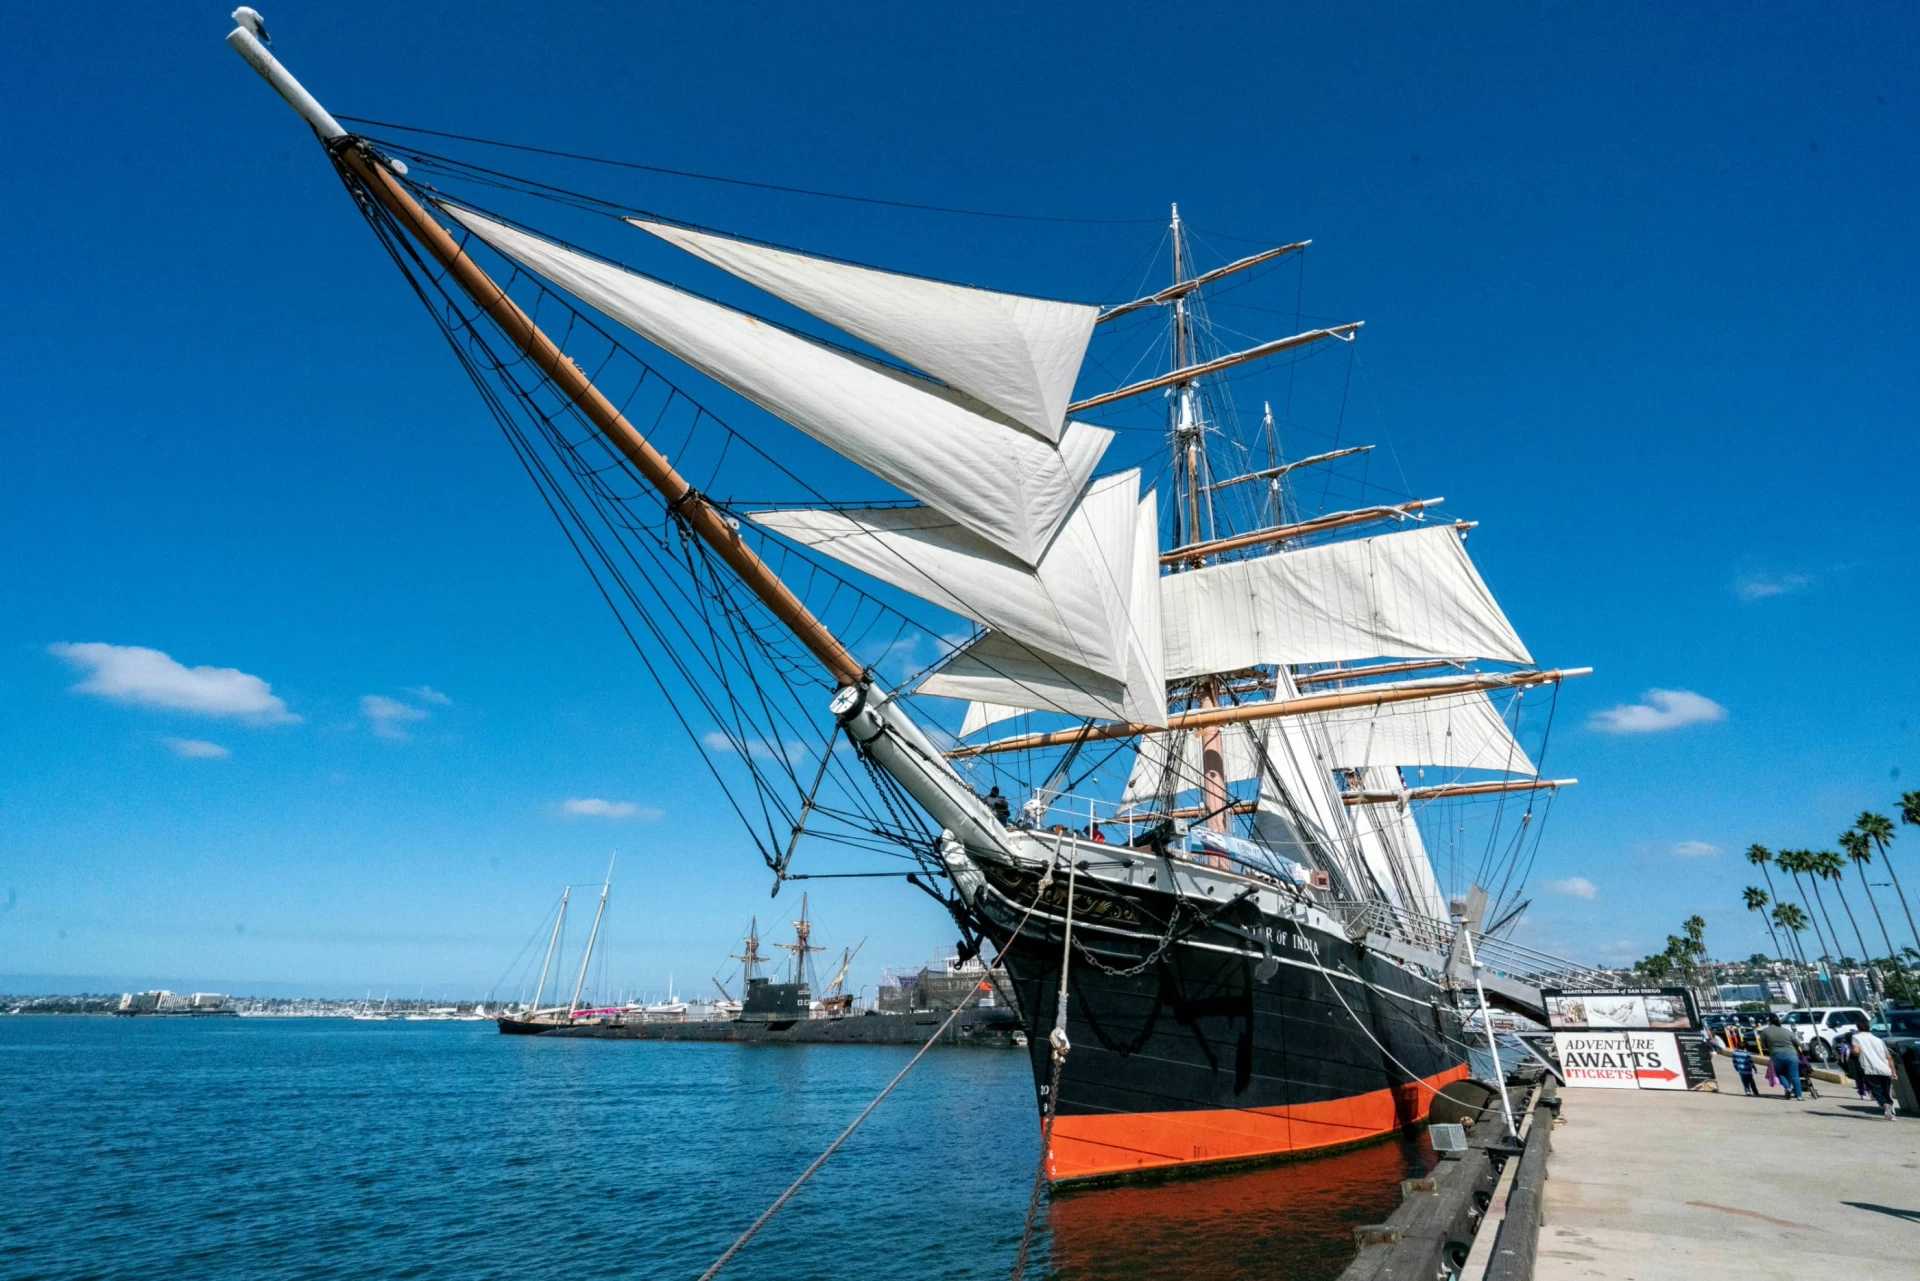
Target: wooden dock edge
1519,1233
1431,1234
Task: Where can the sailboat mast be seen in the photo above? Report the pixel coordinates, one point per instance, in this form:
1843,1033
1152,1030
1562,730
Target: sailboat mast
591,936
552,943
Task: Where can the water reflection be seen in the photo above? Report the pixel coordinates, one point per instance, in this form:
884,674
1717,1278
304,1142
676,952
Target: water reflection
1290,1222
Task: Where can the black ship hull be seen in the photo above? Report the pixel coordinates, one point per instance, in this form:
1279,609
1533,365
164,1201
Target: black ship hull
527,1027
1214,1033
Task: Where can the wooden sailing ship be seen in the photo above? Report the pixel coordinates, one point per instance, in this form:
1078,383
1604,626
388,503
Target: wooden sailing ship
1237,949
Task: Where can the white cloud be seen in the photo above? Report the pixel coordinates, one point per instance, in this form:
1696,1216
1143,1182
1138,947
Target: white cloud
1694,849
759,748
594,807
386,715
1573,887
148,678
1657,710
1759,586
197,749
428,694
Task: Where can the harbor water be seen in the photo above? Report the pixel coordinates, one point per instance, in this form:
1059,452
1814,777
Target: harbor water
318,1148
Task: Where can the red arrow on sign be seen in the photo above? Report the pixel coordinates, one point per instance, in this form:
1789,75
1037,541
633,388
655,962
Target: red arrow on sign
1664,1074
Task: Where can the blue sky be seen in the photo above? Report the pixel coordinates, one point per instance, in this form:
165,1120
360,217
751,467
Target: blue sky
1638,290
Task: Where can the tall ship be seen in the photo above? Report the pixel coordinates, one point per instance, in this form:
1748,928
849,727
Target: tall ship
1066,640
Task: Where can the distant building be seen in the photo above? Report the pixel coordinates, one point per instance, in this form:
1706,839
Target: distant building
193,1005
942,989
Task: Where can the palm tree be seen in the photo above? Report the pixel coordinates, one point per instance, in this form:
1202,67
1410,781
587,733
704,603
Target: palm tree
1757,900
1794,862
1790,918
1834,868
1859,851
1880,830
1760,856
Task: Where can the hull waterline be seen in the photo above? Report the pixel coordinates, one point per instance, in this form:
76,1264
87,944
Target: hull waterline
1184,1057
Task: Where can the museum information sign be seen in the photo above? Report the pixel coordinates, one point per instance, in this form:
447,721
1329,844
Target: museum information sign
1628,1039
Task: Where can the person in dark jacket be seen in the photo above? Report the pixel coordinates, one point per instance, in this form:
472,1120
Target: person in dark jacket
998,804
1783,1055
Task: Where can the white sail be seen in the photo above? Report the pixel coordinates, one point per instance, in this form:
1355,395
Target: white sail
1003,483
1413,594
1002,678
981,714
1147,655
1015,354
1391,847
1454,731
1073,606
1000,672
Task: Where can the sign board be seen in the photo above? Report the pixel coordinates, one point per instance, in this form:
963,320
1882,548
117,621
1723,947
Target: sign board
1654,1008
1697,1057
1626,1060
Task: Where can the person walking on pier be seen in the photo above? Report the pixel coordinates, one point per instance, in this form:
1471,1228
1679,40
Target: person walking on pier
1783,1055
1876,1069
1743,1064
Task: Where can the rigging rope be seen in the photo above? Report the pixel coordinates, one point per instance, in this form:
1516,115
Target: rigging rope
1045,883
1387,1054
748,182
702,627
1057,1040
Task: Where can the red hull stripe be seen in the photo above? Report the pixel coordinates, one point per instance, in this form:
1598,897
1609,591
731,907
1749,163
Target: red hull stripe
1091,1146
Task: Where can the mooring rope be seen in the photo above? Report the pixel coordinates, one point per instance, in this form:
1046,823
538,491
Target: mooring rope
1058,1040
1045,883
1415,1077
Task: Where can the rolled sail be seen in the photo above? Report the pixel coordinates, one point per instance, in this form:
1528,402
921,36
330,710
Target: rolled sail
1015,354
1413,594
997,480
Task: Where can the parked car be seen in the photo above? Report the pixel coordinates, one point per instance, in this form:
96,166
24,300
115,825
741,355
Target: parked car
1817,1028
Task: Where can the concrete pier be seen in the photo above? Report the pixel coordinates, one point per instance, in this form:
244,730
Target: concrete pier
1650,1185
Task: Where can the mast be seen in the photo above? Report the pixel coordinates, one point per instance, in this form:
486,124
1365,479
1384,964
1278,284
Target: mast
551,944
802,943
591,936
1190,459
750,958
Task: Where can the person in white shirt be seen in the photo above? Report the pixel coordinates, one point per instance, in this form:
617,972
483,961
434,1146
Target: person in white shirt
1876,1069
